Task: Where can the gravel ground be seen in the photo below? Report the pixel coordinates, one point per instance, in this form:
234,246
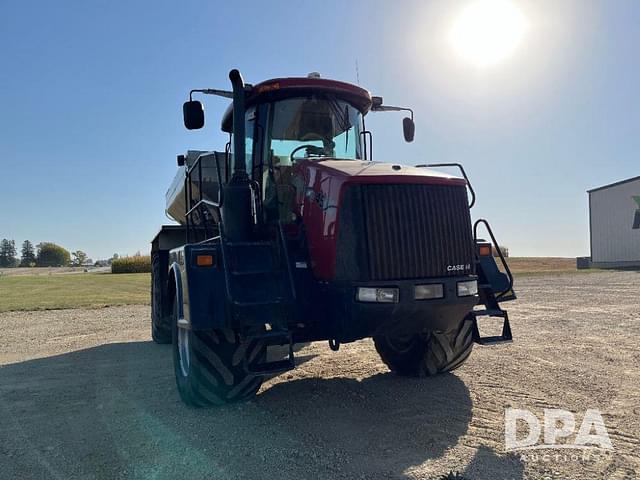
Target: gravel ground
85,394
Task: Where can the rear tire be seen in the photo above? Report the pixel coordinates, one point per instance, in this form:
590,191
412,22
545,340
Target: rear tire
210,365
160,325
427,354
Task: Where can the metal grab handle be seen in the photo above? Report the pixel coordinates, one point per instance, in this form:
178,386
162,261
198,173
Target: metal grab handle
495,242
464,174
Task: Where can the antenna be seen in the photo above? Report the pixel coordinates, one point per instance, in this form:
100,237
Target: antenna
357,73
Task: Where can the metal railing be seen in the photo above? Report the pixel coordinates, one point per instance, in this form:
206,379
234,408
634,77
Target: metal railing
464,174
201,206
498,250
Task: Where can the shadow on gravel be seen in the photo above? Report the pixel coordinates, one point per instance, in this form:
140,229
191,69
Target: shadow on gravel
113,412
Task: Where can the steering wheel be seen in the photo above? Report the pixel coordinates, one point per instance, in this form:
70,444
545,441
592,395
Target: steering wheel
311,150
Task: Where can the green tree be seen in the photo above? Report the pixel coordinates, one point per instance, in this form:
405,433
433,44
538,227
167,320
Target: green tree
114,257
79,257
28,254
8,253
52,255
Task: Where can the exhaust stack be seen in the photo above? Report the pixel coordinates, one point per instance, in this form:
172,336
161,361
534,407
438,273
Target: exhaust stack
239,168
236,207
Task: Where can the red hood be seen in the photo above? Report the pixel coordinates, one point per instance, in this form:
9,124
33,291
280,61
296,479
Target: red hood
362,171
319,186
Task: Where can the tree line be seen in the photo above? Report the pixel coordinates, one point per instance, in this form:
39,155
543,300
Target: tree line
45,254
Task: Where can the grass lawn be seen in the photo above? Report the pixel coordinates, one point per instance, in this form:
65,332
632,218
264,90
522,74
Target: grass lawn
44,292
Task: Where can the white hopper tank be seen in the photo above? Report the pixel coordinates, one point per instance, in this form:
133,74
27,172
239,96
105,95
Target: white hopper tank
175,196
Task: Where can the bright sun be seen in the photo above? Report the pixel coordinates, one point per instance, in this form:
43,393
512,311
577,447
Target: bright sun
488,31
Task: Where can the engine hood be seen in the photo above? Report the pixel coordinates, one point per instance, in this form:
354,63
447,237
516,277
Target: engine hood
362,171
320,185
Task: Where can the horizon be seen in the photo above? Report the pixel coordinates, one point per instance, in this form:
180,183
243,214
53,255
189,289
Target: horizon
90,107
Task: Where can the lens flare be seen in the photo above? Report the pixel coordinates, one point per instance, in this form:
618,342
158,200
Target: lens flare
488,31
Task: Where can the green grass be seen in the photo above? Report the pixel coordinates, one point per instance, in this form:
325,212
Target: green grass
82,290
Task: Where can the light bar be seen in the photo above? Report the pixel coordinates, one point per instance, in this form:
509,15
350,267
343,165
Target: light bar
467,288
428,292
377,295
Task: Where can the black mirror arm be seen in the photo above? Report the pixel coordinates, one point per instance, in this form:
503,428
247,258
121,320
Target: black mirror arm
390,108
210,91
220,93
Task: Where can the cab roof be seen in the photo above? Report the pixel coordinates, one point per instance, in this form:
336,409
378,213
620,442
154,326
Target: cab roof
281,88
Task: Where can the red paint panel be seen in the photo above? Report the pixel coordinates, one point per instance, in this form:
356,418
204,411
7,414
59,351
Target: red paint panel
319,186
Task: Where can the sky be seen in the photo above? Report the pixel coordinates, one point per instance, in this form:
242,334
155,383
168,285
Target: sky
91,97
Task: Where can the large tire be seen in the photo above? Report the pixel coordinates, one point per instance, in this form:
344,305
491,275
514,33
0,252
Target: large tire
210,369
160,323
427,354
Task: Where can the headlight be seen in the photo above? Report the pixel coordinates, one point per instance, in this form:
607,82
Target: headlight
377,295
467,288
428,292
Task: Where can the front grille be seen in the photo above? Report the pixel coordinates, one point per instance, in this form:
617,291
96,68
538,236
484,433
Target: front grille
417,231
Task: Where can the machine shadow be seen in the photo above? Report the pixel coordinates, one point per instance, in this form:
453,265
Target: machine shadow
383,425
112,411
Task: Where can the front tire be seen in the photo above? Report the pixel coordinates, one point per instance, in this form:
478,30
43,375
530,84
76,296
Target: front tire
210,365
427,354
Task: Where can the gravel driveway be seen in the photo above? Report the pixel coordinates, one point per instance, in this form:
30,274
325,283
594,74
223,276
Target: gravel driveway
85,394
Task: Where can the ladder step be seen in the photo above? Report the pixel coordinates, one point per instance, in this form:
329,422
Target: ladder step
489,313
278,366
271,336
272,368
495,340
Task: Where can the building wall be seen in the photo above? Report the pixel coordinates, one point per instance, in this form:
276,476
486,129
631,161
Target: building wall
614,241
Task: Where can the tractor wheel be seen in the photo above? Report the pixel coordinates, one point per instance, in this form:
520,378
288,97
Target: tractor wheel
427,354
210,365
160,326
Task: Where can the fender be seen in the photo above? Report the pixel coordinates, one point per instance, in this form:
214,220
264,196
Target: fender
176,286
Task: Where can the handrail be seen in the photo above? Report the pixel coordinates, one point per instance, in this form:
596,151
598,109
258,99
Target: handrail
209,203
197,163
495,242
190,207
464,174
225,266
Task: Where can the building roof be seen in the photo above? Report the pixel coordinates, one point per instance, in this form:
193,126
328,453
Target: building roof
614,184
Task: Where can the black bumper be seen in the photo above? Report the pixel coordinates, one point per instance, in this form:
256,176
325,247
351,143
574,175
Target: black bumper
352,320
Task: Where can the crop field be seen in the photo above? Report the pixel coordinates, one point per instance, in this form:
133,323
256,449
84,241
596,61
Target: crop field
84,393
72,290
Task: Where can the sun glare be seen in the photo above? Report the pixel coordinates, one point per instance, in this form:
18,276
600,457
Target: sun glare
488,31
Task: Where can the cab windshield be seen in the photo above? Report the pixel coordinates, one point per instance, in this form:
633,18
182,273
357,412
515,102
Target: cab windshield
319,125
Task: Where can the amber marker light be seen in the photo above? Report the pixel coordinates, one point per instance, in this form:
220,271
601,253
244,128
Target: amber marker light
204,260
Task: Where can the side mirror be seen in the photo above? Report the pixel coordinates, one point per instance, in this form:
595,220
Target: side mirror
408,128
193,115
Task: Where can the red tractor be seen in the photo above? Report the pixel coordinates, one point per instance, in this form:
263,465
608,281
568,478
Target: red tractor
293,234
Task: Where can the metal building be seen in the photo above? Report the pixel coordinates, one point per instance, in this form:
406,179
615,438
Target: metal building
614,224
